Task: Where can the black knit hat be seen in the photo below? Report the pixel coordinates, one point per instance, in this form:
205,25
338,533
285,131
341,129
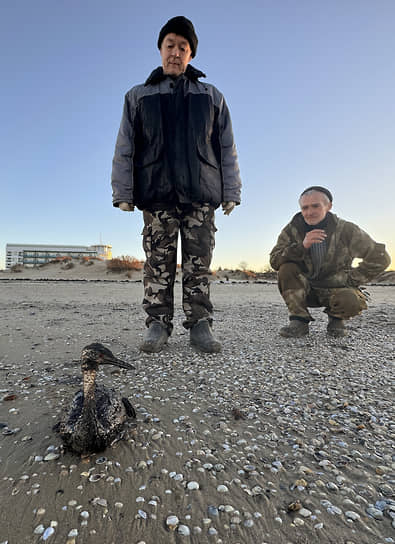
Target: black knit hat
183,27
320,190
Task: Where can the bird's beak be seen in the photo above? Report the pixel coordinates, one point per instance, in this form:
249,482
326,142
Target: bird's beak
116,362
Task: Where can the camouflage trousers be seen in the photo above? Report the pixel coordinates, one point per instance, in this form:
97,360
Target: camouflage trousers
299,294
195,223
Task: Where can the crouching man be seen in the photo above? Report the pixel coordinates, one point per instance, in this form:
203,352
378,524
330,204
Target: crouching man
313,257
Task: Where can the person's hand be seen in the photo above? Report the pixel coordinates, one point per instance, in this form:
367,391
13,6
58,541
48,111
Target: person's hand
228,207
126,207
316,236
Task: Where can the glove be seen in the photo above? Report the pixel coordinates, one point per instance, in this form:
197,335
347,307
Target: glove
228,207
126,207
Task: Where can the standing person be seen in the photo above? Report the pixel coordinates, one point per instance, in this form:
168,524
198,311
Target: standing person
314,255
176,160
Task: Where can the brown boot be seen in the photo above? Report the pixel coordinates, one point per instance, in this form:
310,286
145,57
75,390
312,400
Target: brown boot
336,327
295,329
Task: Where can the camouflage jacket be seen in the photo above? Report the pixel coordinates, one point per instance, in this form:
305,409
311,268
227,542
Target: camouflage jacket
345,242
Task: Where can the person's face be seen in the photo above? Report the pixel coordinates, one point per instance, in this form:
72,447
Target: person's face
314,207
176,53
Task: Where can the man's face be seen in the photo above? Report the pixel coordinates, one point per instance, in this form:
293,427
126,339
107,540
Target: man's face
176,54
314,207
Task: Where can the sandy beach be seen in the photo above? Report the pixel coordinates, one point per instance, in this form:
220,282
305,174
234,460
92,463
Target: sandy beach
273,441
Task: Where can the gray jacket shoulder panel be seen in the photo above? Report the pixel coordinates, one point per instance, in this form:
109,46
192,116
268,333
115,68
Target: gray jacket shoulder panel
140,144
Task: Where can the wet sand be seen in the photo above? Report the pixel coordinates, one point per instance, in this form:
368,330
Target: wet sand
289,441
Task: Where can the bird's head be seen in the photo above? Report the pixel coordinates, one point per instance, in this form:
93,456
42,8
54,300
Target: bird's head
96,354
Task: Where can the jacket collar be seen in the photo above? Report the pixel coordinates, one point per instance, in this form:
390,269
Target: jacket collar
157,75
331,221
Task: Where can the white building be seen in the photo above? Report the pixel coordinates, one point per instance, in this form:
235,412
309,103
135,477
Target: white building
36,254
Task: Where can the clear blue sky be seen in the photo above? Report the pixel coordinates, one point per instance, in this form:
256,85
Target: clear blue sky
310,85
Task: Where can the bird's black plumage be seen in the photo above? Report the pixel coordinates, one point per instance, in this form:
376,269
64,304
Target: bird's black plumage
97,415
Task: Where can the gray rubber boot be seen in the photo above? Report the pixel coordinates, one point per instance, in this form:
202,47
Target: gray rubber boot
295,329
202,338
155,338
336,327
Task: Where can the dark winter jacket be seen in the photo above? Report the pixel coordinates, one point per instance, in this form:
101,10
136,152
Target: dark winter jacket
175,144
345,242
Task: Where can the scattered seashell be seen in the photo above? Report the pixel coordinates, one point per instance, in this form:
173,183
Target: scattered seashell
51,456
95,477
172,522
48,532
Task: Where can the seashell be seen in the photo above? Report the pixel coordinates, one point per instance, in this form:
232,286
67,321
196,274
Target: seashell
101,460
294,506
257,490
100,502
48,532
95,477
352,515
184,530
212,511
300,483
222,489
172,522
192,485
51,456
